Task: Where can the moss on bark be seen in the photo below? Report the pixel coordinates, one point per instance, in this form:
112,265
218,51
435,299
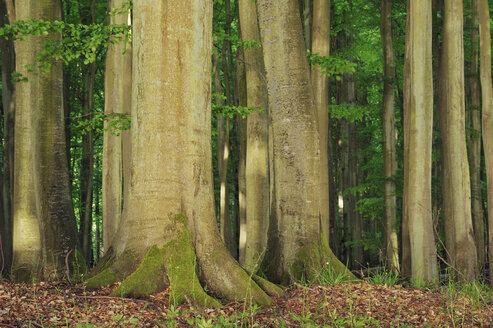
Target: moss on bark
316,257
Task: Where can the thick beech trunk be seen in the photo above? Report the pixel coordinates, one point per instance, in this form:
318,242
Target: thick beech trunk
116,144
456,192
296,152
418,120
257,148
44,221
168,228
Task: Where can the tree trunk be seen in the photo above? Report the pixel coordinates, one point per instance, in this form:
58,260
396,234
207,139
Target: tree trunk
320,82
418,111
87,164
168,230
391,246
257,156
307,18
116,144
46,221
295,145
487,97
474,140
456,182
8,103
242,123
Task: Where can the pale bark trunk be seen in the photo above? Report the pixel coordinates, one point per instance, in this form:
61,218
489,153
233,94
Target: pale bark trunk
474,140
295,140
222,160
487,103
40,163
116,144
242,123
417,216
171,67
391,245
456,182
320,82
257,157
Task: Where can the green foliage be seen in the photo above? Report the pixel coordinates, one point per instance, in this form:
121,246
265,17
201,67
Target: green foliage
383,277
77,41
332,65
117,122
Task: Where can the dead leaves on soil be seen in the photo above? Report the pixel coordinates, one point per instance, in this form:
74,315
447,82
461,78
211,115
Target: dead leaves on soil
344,305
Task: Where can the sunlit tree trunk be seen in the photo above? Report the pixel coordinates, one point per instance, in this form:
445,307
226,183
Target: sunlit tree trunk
389,139
295,144
242,123
487,102
116,144
418,103
474,140
257,157
43,211
320,82
456,182
169,222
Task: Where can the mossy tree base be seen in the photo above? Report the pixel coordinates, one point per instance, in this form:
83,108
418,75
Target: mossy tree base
316,258
174,265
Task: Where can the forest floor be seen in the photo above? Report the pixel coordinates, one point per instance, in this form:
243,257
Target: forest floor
359,304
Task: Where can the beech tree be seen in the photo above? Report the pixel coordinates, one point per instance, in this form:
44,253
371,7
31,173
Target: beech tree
297,246
456,192
419,252
169,227
116,144
487,106
257,150
44,234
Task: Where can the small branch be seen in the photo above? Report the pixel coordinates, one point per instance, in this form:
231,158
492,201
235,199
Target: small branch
113,298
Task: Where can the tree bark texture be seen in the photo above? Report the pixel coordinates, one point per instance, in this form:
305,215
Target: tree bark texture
391,246
116,144
168,228
474,140
418,120
320,82
456,191
44,225
487,116
295,139
257,151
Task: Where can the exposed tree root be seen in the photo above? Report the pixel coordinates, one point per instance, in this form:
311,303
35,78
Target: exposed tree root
175,265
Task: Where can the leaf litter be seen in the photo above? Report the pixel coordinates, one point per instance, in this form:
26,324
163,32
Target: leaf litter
62,304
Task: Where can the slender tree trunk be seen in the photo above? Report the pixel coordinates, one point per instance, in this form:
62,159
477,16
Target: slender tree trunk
320,82
257,157
487,103
456,182
222,159
295,144
474,140
242,123
391,246
418,103
8,65
87,165
116,144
